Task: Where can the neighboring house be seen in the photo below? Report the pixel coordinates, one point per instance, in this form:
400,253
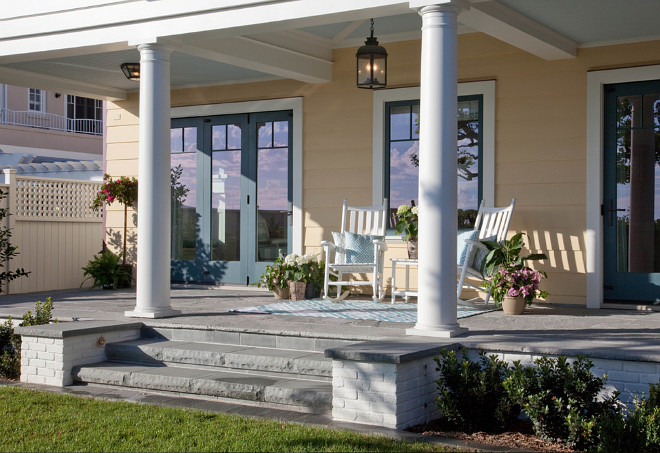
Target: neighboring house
42,127
257,101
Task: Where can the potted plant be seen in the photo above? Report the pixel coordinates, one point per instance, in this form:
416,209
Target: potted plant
406,223
510,282
275,279
305,274
106,271
124,191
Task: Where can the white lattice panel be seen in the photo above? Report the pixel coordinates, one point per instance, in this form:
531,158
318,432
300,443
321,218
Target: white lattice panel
56,199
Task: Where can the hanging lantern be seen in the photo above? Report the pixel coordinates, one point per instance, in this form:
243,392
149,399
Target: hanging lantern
131,70
371,63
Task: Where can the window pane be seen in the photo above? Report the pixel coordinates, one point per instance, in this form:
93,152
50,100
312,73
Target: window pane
415,122
184,196
400,118
226,206
234,136
281,133
272,199
404,173
219,137
176,140
265,135
190,139
404,158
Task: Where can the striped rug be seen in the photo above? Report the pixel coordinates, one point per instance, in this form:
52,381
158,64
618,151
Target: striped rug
353,309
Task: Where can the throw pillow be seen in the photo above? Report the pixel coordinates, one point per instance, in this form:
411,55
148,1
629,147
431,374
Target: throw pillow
462,246
359,248
481,255
340,253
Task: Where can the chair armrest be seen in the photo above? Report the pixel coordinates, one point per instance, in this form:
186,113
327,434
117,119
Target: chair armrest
328,244
380,245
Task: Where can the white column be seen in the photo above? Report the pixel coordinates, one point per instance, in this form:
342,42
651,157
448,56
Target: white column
436,304
153,251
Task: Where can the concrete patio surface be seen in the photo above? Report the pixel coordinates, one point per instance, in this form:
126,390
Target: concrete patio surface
544,329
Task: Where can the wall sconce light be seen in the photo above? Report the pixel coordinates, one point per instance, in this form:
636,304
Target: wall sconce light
131,70
371,63
58,95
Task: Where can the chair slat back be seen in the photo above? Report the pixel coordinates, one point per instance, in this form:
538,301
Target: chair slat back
494,221
364,219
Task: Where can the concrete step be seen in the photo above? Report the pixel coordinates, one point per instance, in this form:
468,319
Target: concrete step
152,351
303,341
288,391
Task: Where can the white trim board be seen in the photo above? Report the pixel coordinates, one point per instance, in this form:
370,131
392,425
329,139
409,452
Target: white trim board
294,104
486,89
595,130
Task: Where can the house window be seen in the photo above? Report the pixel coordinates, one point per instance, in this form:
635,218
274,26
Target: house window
36,100
84,114
402,156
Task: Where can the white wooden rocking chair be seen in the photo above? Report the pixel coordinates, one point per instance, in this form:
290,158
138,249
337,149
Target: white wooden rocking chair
492,224
358,248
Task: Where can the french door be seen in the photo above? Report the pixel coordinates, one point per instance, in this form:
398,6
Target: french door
231,195
631,181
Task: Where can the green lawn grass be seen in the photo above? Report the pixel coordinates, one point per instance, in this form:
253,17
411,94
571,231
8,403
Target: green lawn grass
41,421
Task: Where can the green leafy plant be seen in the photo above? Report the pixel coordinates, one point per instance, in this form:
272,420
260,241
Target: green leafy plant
507,273
106,271
10,343
555,390
7,250
472,395
304,268
407,220
276,275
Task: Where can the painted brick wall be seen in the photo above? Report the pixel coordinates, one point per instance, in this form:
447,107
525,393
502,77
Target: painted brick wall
49,360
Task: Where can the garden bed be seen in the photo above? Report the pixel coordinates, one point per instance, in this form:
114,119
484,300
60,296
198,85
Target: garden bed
520,436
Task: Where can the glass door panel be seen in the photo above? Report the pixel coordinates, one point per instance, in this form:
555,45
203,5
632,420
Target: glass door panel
226,193
632,192
272,190
183,141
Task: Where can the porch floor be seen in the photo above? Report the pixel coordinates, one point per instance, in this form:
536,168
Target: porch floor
544,329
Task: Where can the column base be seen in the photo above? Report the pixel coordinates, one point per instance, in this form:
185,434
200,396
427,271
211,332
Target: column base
437,333
152,314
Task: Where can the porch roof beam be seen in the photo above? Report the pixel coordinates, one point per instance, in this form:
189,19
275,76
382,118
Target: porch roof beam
505,24
113,23
258,56
46,82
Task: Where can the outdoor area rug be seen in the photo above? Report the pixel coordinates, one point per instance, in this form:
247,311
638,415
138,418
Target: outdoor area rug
353,309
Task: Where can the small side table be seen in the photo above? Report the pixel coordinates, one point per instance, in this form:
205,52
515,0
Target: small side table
407,292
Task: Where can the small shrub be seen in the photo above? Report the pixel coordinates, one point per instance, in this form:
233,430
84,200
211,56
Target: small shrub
560,398
106,271
10,343
472,395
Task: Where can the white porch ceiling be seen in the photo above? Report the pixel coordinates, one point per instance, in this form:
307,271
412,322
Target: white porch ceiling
293,40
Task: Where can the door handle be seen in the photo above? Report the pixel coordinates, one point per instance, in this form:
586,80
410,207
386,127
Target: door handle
611,210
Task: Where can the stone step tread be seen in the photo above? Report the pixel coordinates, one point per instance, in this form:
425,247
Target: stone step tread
289,390
152,351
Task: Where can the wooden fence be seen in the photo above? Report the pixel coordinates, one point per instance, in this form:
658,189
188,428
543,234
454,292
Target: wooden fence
55,230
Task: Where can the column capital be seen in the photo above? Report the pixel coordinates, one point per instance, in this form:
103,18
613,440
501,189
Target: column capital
156,49
424,6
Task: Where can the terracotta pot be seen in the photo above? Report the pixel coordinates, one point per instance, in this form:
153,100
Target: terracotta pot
412,249
280,293
297,290
513,305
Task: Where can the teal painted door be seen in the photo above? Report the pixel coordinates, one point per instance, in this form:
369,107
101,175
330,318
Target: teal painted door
231,200
631,182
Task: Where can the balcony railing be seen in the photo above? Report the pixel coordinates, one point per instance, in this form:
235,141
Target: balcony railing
50,121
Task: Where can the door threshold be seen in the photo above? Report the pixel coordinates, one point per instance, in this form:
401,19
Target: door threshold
632,305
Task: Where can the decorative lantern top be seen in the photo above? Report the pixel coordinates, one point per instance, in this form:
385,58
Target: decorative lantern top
371,63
